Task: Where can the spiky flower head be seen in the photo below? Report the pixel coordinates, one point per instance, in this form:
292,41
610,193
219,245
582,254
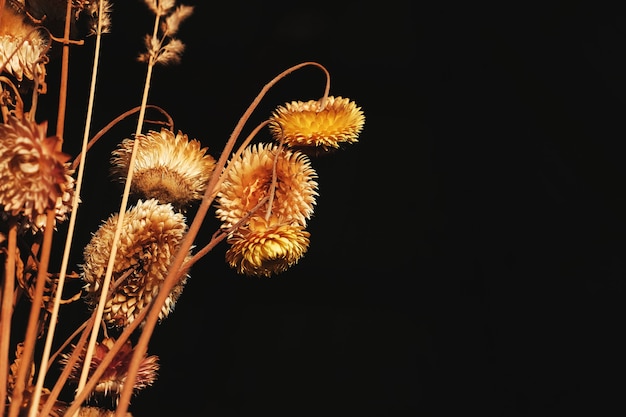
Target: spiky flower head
35,176
248,180
168,167
150,237
266,247
22,46
325,123
114,377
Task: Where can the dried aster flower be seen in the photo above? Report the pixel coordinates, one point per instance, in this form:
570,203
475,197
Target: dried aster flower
21,45
249,178
114,377
168,167
34,175
266,247
318,123
150,238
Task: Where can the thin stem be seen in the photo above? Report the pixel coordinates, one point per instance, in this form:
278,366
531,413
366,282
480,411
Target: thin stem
33,319
43,366
118,228
173,275
6,313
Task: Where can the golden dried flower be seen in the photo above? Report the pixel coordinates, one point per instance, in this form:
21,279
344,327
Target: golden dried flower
34,175
149,240
168,167
249,178
266,247
21,45
308,124
114,377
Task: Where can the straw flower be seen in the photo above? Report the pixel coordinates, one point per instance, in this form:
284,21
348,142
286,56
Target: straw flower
149,240
21,45
317,123
249,178
266,247
34,175
114,377
168,167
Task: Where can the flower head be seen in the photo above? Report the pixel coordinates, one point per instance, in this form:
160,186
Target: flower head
266,247
168,167
21,45
114,377
249,179
325,124
34,175
150,238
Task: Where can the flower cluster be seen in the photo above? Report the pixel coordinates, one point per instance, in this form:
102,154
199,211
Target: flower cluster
139,259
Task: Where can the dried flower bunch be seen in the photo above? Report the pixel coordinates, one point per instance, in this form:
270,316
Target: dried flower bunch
139,260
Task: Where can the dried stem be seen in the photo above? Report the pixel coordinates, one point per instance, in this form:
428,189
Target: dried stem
6,313
33,319
43,365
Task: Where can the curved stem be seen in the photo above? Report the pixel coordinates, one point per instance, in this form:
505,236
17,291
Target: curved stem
115,121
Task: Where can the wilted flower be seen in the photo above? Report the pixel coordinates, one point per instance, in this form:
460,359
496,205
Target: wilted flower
168,167
266,247
114,377
249,178
34,175
21,45
318,123
150,238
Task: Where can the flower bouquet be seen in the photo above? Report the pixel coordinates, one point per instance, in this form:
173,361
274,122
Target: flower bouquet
138,261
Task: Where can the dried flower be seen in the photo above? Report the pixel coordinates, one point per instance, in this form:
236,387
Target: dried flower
34,175
165,49
93,10
266,247
168,167
149,240
114,377
249,178
317,123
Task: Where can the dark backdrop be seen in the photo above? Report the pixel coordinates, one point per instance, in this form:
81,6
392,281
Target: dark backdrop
467,254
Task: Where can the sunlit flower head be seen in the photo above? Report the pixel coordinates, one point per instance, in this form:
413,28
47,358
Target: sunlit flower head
170,168
249,178
266,247
113,379
150,238
22,45
35,176
324,124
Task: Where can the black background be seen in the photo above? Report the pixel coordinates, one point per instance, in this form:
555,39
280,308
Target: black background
467,254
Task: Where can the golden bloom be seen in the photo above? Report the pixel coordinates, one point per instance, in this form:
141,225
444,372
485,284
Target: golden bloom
249,178
34,175
168,167
114,377
21,45
149,240
308,124
266,247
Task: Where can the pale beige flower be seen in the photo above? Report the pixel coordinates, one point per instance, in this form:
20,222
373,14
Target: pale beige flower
34,175
249,178
266,247
150,238
22,46
325,124
168,167
113,379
